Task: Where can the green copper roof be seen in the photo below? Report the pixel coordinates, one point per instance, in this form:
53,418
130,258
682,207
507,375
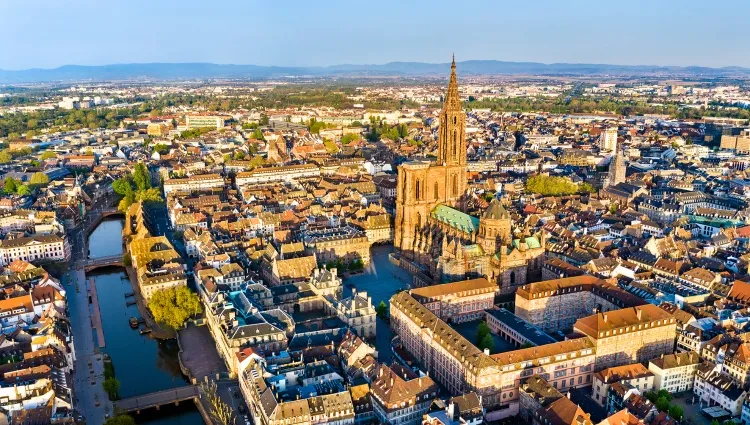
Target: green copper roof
456,219
722,223
531,242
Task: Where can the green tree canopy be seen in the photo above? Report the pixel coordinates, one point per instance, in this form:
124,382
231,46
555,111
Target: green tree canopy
5,156
48,155
482,331
111,387
23,190
141,176
551,185
10,185
676,412
39,179
120,420
662,404
487,343
172,307
161,148
382,309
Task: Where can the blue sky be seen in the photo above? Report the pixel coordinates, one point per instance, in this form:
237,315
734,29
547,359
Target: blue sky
51,33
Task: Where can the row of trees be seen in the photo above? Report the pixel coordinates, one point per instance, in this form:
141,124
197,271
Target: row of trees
484,338
15,186
662,401
556,186
136,188
172,307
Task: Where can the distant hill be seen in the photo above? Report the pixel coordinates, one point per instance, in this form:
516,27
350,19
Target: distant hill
182,71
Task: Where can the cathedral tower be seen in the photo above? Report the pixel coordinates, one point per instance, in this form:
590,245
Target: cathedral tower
421,186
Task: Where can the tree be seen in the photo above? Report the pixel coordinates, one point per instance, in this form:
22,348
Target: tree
664,394
23,190
172,307
10,185
120,420
331,147
239,155
148,195
257,134
5,156
48,155
161,148
551,185
487,343
348,138
586,188
676,412
382,310
39,179
651,396
222,413
126,202
141,176
482,331
111,387
122,186
662,404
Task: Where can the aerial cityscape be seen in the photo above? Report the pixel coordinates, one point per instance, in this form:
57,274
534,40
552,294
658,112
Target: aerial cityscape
310,238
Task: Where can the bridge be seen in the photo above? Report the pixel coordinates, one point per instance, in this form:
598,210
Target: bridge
156,399
96,216
90,264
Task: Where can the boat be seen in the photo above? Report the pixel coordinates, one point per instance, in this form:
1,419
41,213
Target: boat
133,322
145,331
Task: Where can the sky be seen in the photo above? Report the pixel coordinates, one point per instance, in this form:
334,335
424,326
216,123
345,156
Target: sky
51,33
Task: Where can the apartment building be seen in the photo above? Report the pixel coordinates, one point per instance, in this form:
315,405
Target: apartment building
554,305
34,248
634,334
674,372
344,244
196,183
634,375
157,264
276,174
458,302
398,401
717,389
447,356
563,365
204,121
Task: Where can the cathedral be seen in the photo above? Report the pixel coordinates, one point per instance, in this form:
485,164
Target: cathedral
432,233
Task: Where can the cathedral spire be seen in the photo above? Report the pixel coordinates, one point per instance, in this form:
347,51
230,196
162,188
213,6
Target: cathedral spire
452,135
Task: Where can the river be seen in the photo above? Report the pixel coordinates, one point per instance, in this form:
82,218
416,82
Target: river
142,364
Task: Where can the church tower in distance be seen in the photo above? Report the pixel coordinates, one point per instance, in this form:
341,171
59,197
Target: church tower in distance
421,186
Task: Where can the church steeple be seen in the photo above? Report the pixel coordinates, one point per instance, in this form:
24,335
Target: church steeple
452,136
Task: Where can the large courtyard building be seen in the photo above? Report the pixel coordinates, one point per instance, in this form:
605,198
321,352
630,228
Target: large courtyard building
554,305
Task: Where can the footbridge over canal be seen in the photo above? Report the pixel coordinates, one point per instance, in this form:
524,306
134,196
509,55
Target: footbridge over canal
157,399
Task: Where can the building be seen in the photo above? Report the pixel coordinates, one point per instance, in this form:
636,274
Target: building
465,409
276,174
157,264
458,302
674,372
738,144
342,244
34,248
717,389
422,186
358,313
616,168
553,305
535,394
204,121
398,401
609,139
634,375
196,183
634,334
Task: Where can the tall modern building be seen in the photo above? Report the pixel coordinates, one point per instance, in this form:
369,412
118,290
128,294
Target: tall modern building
422,186
608,139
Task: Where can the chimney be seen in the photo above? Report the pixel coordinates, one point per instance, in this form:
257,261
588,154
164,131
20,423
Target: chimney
487,351
568,395
638,313
605,317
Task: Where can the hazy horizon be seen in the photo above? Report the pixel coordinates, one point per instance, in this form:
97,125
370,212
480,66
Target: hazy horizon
48,35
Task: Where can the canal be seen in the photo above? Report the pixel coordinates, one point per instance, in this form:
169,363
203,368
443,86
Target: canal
142,364
381,279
